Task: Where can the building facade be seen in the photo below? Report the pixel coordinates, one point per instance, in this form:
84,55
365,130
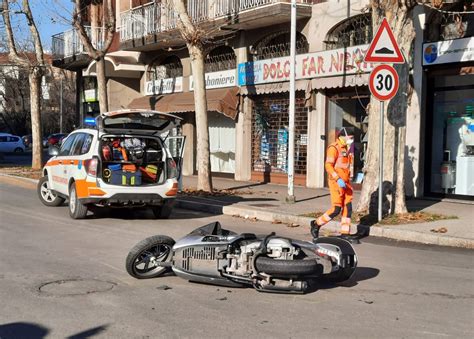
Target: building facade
247,80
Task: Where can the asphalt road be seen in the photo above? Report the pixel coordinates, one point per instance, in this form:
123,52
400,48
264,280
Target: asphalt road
65,278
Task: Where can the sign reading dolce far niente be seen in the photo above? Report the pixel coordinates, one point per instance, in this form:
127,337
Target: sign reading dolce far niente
442,52
335,62
219,79
164,86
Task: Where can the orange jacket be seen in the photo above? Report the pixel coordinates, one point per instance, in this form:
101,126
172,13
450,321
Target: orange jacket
338,162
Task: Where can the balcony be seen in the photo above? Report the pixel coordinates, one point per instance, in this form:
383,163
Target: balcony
155,22
68,49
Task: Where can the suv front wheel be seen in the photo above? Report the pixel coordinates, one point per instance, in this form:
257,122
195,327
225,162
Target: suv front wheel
77,210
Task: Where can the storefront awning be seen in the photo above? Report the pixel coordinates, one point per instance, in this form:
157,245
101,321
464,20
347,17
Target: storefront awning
274,87
341,81
222,100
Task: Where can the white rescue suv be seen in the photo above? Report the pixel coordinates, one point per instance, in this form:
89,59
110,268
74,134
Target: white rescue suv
122,162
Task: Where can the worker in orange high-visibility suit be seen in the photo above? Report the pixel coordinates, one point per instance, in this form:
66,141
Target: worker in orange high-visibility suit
338,167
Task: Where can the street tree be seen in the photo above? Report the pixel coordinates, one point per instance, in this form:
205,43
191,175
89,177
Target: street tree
399,14
194,36
97,39
36,67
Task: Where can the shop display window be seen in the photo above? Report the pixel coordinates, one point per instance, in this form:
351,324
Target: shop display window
452,136
270,134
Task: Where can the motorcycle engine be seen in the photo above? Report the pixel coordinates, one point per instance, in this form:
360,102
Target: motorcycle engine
278,248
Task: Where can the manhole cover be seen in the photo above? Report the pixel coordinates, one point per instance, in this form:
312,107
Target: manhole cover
71,287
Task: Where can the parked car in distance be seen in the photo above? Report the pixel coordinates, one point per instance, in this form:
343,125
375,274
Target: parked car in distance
11,143
55,139
27,140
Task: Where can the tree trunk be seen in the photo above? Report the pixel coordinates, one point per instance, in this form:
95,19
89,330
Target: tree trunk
102,85
202,130
399,16
35,94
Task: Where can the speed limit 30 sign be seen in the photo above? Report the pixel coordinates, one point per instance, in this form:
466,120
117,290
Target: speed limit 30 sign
383,82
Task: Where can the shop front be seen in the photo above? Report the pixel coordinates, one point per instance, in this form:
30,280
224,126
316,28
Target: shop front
449,159
339,75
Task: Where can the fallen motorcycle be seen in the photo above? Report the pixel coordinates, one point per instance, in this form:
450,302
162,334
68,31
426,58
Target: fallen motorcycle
213,255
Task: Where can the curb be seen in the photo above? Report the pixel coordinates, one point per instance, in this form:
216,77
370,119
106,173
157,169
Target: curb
35,181
376,231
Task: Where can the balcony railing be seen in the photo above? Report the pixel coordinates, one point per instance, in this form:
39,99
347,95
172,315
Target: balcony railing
157,17
68,43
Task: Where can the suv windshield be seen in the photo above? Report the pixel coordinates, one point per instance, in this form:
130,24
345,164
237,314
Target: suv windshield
137,120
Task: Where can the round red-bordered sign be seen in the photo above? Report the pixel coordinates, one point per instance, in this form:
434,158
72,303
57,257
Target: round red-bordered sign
383,82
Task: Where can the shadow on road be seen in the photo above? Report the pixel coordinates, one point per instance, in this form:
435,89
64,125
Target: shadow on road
361,274
23,330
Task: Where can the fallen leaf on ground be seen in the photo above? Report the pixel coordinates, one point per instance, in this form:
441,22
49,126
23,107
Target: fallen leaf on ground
439,230
276,222
293,225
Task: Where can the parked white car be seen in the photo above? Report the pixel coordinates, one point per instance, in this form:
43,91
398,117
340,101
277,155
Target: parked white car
123,162
11,143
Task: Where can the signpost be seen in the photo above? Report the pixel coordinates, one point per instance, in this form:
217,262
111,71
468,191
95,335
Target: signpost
383,82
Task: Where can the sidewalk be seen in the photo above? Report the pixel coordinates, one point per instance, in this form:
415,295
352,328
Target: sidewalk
267,202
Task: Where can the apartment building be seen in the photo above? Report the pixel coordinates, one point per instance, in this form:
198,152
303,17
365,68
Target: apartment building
247,76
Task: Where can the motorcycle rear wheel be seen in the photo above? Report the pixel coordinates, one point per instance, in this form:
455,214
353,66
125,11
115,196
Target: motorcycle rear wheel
155,248
288,267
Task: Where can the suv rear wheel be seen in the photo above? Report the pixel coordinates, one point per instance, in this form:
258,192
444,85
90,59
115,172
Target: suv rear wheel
77,210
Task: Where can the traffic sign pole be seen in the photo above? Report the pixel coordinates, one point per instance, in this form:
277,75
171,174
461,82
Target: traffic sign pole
381,160
383,82
383,85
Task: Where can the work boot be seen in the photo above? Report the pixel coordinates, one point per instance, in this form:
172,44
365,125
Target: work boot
352,238
314,229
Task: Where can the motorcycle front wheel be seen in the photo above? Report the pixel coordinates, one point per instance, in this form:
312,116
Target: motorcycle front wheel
142,258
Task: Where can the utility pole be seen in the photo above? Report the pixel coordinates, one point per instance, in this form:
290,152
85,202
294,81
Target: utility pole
291,109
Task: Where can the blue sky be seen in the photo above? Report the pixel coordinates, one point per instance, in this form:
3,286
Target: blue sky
51,17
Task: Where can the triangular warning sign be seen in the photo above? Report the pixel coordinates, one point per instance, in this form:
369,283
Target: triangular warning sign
384,47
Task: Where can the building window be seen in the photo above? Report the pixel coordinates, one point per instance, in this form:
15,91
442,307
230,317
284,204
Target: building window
278,45
170,67
220,59
352,32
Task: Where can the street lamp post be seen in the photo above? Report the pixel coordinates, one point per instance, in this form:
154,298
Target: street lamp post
291,109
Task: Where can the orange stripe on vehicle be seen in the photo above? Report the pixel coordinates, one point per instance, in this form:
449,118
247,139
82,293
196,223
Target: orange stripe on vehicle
173,191
62,162
85,189
96,191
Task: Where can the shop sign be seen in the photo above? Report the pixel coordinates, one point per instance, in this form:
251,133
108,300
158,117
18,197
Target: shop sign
442,52
164,86
220,79
335,62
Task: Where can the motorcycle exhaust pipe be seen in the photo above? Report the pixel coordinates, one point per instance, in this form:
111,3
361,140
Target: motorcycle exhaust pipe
284,286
